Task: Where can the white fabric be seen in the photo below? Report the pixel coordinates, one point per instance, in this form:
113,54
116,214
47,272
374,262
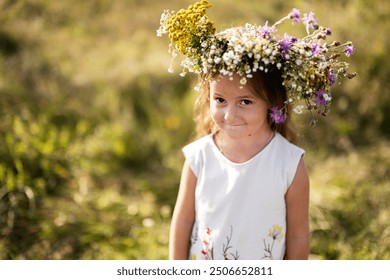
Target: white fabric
240,207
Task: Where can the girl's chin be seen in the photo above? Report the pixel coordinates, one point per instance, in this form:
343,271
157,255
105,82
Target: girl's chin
236,131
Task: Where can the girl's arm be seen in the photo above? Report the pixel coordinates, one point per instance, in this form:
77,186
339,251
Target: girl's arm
183,216
297,203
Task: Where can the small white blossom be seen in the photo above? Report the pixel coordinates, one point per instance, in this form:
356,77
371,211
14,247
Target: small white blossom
298,109
323,65
327,97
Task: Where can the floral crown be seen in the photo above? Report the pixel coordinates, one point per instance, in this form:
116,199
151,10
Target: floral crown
309,66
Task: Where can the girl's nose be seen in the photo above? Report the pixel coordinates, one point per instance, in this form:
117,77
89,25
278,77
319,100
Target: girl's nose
230,113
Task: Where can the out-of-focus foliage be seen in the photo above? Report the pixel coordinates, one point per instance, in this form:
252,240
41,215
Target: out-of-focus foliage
91,127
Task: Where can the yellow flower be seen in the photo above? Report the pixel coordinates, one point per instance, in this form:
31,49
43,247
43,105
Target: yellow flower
187,24
276,232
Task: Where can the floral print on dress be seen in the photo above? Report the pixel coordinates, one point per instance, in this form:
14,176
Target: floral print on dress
226,247
276,234
228,252
207,248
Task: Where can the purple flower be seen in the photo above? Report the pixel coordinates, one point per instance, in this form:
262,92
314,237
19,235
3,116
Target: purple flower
321,98
266,31
332,78
315,48
349,50
310,21
286,43
277,116
294,15
328,32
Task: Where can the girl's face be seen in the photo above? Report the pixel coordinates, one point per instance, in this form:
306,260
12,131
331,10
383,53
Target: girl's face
236,109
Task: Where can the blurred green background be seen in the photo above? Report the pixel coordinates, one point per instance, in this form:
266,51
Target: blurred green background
91,127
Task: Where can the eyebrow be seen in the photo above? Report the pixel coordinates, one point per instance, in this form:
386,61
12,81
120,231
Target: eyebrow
237,97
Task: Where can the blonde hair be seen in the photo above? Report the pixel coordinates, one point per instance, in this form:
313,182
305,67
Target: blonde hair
267,86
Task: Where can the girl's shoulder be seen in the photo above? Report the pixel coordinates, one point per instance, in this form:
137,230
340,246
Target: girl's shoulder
286,147
200,143
195,152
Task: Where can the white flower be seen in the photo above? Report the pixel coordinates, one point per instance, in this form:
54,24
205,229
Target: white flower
298,109
327,97
226,57
239,49
323,65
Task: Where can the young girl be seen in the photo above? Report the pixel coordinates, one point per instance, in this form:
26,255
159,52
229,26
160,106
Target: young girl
244,190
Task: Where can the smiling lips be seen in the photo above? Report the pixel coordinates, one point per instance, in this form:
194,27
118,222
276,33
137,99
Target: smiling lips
234,125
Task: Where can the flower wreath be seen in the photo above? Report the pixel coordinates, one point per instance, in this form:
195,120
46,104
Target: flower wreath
310,66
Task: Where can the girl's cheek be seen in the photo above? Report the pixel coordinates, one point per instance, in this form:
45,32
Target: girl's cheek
214,112
213,108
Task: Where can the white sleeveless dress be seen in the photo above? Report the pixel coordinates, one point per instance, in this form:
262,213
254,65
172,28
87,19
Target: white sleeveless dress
240,207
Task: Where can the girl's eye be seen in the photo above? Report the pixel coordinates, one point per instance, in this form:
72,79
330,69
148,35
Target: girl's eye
219,100
246,102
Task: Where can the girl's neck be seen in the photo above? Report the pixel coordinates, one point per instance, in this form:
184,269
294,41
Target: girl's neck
240,150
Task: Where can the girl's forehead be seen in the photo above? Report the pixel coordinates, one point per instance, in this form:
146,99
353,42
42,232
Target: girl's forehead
227,86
